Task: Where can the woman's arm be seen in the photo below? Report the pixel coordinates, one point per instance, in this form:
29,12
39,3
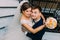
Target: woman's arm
43,18
33,30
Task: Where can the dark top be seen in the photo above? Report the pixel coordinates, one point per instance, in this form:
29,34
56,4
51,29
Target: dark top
38,35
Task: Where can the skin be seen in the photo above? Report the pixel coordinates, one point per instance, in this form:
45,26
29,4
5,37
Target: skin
36,14
27,13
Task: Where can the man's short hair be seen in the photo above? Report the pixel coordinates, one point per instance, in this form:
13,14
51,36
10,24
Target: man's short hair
36,7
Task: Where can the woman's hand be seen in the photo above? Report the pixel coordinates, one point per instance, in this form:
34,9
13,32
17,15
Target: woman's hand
43,21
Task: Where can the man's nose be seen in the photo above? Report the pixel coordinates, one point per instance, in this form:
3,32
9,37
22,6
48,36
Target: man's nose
32,14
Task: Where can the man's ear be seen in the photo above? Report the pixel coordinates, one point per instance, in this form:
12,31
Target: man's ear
40,13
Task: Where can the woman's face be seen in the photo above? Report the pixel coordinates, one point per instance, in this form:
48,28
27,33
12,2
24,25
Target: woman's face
27,12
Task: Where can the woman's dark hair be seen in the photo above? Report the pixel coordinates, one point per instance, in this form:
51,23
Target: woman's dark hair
36,7
25,6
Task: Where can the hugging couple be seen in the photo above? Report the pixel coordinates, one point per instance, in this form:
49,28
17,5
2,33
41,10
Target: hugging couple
27,24
32,21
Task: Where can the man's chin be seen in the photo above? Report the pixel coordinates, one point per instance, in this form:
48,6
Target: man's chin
34,18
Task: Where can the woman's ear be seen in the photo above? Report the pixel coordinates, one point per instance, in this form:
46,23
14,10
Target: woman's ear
22,11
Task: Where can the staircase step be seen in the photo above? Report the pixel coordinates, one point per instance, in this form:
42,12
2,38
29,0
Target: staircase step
10,3
7,11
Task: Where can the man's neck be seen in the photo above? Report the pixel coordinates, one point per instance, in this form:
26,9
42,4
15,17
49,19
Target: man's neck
37,19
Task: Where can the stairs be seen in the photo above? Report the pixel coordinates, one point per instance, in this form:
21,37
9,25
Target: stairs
7,12
8,6
8,3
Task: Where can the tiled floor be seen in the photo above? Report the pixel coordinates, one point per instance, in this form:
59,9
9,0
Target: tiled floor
51,36
4,22
5,12
8,3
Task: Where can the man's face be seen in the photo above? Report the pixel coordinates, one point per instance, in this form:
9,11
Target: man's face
35,13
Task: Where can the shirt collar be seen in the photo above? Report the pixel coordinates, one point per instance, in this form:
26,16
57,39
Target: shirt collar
37,20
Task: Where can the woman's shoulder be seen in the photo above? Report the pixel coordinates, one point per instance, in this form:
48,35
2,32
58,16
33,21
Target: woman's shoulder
23,21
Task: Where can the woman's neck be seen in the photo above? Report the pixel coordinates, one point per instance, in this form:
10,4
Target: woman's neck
25,17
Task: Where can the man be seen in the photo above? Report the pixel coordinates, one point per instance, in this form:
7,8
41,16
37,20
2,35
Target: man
39,20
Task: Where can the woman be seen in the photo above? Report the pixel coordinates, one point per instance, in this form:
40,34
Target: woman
14,28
